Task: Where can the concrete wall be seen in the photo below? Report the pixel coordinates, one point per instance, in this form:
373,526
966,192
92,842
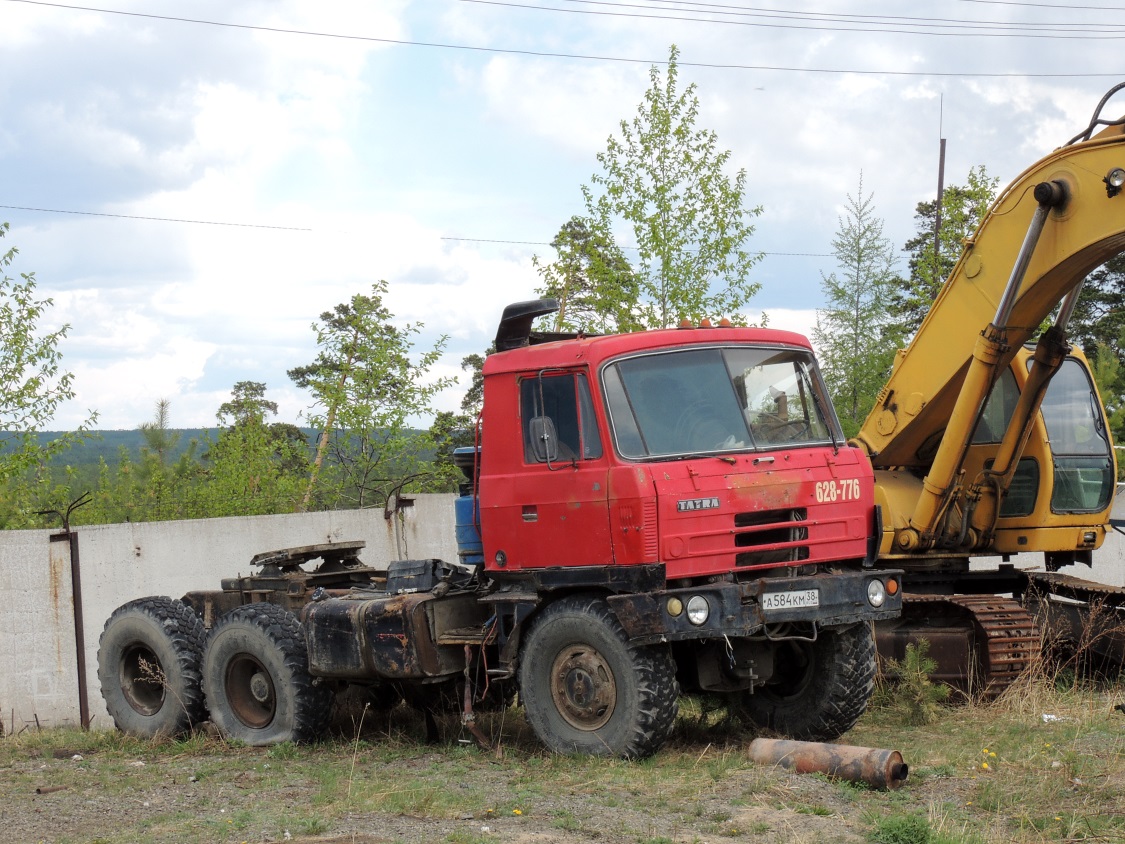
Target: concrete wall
38,662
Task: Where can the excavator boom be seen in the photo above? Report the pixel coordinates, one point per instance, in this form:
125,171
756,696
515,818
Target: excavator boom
1058,220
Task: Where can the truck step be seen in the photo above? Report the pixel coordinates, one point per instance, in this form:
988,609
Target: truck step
468,636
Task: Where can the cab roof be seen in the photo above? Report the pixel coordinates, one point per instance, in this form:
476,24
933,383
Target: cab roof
546,351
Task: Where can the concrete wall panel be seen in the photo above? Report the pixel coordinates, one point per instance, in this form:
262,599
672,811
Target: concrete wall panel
38,663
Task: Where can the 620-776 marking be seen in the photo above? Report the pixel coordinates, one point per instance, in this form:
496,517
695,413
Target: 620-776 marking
845,490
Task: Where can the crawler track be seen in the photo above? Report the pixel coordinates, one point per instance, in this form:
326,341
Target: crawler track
981,643
1008,639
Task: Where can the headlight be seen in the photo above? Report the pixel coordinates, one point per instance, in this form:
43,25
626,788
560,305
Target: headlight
876,594
698,610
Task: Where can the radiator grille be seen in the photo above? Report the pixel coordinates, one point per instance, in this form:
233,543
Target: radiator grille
771,537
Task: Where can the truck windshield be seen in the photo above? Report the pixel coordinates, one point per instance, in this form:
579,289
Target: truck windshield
700,401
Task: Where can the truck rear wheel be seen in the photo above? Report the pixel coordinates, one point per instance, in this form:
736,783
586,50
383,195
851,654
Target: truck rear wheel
256,678
819,689
149,658
586,690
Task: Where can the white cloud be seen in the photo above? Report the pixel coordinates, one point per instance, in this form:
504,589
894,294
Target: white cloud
383,150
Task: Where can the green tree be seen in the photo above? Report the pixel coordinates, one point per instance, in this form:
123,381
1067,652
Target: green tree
855,334
458,430
162,485
593,282
248,468
247,402
1099,314
1109,375
33,384
368,384
248,405
249,471
160,439
963,207
667,180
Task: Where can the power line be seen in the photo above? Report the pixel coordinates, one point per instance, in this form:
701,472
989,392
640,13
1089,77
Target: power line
753,11
579,56
155,219
1083,34
714,5
300,229
1045,5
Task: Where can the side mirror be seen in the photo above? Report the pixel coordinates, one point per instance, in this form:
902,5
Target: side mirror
544,439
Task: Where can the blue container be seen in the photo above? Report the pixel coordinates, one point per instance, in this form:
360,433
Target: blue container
469,546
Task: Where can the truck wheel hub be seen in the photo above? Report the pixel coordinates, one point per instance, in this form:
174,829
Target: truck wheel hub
250,691
583,688
260,688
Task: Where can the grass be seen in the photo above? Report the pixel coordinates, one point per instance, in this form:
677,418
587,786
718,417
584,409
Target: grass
979,774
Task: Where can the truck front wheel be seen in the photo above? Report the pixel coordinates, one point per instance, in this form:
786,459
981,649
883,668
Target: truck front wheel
149,660
256,678
819,689
585,689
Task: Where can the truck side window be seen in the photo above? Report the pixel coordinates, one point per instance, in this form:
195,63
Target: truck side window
565,399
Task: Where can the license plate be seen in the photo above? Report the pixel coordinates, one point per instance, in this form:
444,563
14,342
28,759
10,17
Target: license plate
796,599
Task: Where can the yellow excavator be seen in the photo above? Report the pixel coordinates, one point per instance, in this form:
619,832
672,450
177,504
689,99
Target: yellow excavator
986,446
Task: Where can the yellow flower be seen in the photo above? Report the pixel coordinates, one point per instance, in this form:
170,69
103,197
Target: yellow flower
984,766
985,751
993,755
516,812
1057,818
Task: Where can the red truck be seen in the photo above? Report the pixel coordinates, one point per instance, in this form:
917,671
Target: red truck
647,514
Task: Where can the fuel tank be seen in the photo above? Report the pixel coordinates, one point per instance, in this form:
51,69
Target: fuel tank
378,636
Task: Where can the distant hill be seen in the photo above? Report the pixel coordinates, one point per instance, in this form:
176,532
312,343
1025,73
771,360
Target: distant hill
107,445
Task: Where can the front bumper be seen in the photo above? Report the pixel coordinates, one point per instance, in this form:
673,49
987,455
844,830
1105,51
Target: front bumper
742,609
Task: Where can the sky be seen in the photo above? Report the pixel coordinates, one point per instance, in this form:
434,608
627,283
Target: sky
194,183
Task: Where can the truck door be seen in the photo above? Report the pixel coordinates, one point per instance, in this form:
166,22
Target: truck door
553,510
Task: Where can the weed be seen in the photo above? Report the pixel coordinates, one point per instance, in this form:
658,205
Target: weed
567,821
284,752
312,826
910,828
463,836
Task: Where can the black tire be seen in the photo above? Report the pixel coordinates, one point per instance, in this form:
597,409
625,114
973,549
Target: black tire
585,689
149,659
818,689
256,678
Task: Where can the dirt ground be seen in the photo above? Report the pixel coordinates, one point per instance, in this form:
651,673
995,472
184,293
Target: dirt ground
979,776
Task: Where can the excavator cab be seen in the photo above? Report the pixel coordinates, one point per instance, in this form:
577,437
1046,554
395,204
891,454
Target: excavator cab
1067,469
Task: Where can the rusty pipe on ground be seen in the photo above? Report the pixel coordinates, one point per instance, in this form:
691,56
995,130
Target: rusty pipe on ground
876,767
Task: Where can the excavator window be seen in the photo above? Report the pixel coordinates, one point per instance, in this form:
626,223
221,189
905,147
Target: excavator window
1080,444
998,410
